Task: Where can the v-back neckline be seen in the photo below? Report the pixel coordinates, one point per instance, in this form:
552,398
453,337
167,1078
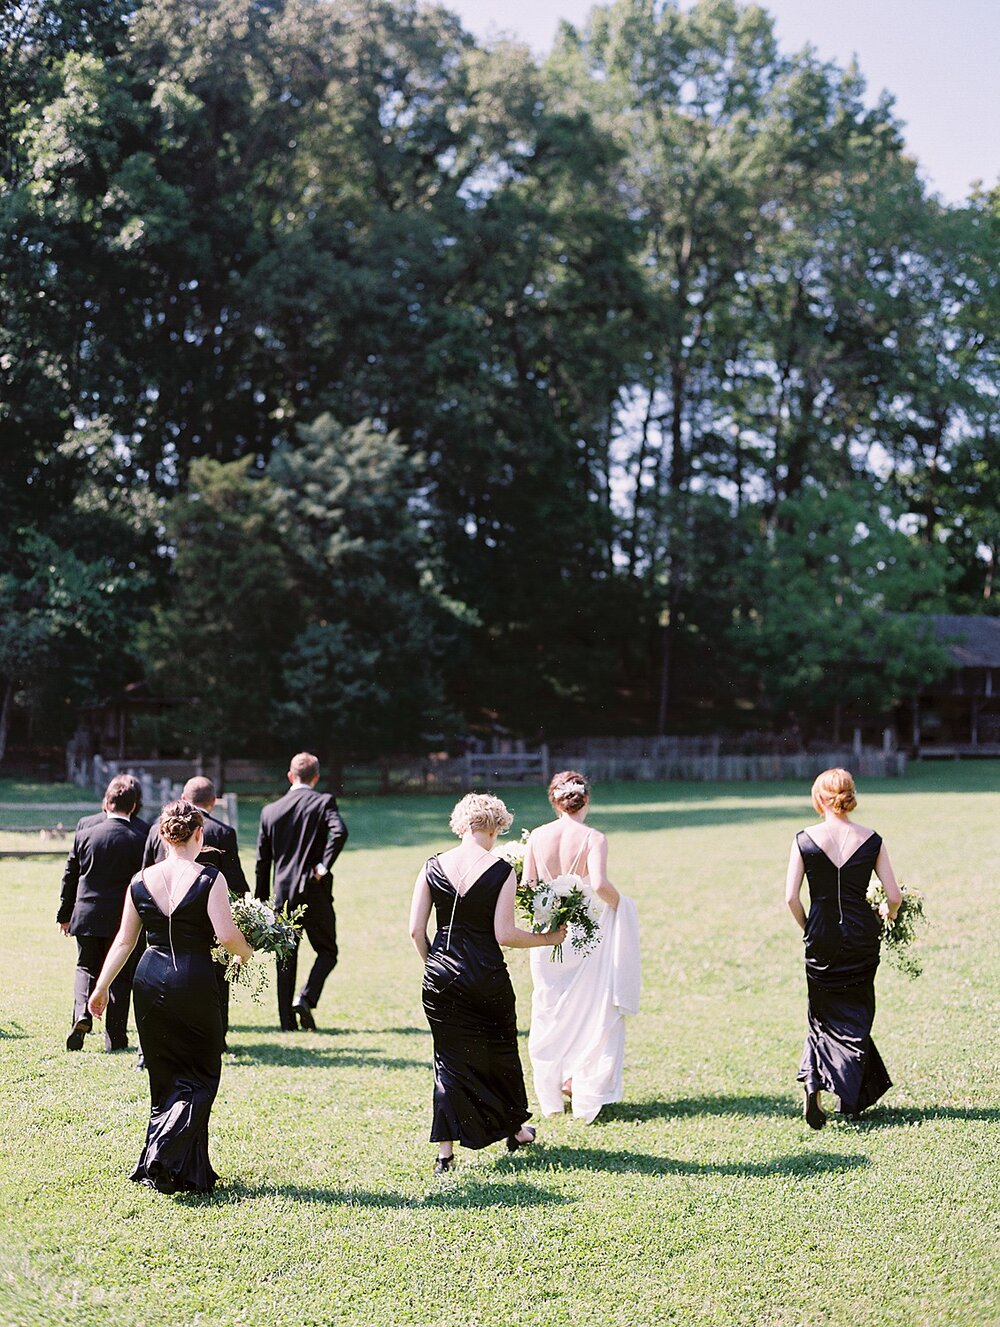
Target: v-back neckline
187,893
463,892
839,866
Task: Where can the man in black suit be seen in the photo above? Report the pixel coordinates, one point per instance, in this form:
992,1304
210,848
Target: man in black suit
221,850
106,854
301,836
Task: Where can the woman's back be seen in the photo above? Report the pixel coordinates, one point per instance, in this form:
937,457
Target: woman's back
562,847
182,925
842,929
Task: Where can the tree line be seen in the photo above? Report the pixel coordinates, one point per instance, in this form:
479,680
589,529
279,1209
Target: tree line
365,382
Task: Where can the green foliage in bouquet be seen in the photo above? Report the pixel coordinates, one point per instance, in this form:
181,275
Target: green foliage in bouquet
548,904
898,936
267,932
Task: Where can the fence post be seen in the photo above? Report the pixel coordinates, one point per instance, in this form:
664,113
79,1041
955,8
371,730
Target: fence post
545,764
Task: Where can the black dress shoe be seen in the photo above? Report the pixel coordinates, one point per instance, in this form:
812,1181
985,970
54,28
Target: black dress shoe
443,1164
115,1046
813,1112
74,1042
305,1017
513,1142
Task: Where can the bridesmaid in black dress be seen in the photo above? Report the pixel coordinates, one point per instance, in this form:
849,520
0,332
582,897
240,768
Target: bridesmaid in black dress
178,1013
842,949
479,1095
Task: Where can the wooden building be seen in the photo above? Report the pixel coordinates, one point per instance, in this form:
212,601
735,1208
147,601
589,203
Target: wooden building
959,715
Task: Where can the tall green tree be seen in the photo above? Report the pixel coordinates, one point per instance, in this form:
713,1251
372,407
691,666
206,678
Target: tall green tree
215,644
363,673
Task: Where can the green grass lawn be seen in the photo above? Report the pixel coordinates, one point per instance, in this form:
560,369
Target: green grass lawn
701,1199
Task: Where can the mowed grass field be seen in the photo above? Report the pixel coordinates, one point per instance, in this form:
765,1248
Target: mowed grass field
701,1199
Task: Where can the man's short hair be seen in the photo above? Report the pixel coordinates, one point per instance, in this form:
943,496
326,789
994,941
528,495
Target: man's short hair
123,795
304,767
199,790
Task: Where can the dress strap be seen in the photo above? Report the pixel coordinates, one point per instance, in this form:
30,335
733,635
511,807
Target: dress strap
577,860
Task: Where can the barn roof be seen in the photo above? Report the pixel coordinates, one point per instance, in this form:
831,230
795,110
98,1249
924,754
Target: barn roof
972,642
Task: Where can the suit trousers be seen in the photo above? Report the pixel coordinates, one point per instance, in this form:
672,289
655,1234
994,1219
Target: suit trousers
320,926
92,950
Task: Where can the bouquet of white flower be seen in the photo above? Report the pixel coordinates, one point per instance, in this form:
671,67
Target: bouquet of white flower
898,935
564,901
513,853
266,932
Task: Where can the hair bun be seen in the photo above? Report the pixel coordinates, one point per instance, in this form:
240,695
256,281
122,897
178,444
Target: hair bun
569,790
179,821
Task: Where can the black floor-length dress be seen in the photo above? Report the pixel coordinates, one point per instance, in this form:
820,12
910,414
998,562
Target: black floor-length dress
479,1094
178,1015
842,955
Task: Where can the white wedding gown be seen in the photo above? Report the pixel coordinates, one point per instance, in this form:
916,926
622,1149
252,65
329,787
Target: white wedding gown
578,1013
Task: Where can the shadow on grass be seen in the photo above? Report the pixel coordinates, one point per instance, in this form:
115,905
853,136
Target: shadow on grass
273,1027
797,1165
266,1053
466,1193
889,1117
334,1031
783,1107
14,1032
685,1107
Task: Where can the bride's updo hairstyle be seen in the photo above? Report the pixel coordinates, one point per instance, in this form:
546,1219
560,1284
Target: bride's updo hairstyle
834,789
569,790
178,821
480,811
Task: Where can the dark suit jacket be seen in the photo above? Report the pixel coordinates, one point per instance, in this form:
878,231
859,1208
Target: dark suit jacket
298,832
105,855
217,835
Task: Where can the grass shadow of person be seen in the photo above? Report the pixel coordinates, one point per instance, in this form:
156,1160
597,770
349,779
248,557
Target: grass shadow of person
458,1192
631,1112
897,1117
795,1165
265,1054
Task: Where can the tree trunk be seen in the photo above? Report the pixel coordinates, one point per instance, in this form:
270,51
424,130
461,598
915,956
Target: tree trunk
6,711
666,655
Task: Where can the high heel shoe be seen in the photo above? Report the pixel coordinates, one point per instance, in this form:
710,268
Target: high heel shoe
814,1114
443,1164
513,1142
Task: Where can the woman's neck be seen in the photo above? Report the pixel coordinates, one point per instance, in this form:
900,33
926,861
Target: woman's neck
480,838
836,817
578,817
183,852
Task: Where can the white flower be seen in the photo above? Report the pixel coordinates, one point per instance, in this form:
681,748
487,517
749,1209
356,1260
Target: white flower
564,789
563,885
543,905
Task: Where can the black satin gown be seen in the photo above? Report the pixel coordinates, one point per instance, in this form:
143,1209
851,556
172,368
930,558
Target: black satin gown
479,1094
842,939
178,1015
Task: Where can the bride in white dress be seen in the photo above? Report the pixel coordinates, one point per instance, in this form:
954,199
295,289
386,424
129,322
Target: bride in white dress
577,1039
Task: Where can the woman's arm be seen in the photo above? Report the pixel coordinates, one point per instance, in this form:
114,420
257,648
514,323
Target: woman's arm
793,885
420,911
884,871
508,933
220,914
597,871
121,947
